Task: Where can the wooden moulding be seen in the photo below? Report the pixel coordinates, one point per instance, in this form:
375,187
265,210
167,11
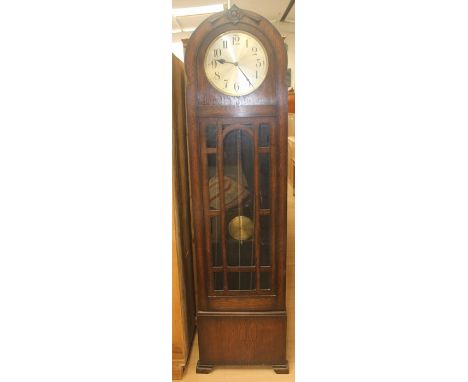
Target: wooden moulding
178,366
242,338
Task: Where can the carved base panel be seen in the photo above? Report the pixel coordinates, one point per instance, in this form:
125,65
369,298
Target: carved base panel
242,339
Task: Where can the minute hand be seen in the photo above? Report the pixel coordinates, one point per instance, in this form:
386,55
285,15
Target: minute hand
245,75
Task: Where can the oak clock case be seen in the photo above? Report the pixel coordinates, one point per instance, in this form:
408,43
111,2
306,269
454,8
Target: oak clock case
236,100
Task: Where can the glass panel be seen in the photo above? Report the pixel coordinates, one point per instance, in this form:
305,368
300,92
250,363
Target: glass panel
215,235
240,252
213,184
265,280
238,168
218,281
241,280
211,136
238,187
264,135
264,179
265,240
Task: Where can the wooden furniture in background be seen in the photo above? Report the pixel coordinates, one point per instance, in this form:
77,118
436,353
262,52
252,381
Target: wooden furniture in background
238,167
291,101
291,150
292,163
183,295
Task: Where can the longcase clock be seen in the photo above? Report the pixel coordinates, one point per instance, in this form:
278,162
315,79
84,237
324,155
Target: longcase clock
236,101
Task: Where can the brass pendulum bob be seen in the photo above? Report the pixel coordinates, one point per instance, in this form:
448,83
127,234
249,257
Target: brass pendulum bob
241,228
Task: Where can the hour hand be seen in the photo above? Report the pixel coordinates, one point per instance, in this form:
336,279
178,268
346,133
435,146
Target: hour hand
223,61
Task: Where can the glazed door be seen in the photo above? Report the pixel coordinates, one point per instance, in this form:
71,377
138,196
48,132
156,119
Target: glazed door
238,172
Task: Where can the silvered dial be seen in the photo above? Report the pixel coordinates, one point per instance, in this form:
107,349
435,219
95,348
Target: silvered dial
236,63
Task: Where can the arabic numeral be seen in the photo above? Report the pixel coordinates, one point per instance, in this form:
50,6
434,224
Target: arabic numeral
217,52
260,63
225,44
254,51
236,86
225,84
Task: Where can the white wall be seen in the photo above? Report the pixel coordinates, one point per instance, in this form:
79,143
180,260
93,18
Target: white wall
287,30
178,50
291,56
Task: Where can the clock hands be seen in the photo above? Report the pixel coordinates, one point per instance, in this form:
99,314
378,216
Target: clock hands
223,61
245,75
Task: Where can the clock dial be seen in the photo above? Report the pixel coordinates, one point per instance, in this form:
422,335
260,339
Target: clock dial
236,63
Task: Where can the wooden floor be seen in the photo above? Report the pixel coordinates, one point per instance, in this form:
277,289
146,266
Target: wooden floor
257,374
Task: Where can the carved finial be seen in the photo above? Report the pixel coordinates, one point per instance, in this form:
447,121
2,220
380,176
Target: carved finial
234,14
